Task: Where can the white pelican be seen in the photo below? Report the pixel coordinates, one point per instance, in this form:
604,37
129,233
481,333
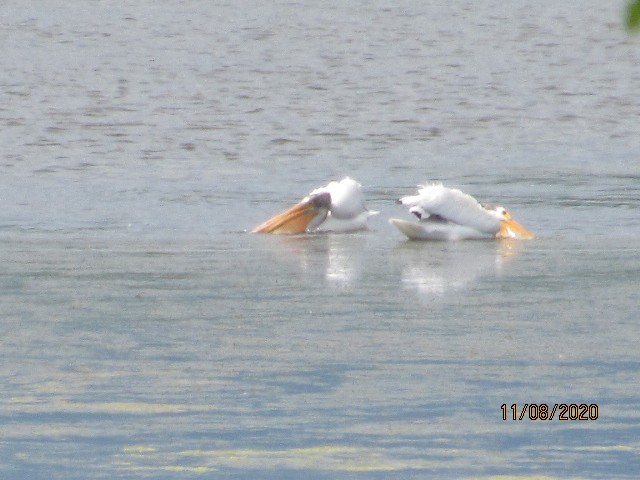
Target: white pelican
337,207
449,214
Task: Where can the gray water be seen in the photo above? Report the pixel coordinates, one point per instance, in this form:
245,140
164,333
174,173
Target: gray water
146,335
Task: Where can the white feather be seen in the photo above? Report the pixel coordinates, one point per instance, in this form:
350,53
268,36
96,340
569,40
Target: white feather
348,211
454,207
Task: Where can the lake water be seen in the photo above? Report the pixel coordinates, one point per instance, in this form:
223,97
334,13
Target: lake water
146,335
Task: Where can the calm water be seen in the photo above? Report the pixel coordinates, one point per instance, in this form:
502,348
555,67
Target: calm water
145,335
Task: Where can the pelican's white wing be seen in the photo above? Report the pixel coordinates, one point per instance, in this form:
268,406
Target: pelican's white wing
346,198
348,211
453,206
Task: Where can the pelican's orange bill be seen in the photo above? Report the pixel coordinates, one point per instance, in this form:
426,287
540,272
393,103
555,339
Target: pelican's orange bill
512,229
294,220
299,218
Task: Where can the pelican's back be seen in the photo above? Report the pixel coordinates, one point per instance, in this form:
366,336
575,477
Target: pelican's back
454,206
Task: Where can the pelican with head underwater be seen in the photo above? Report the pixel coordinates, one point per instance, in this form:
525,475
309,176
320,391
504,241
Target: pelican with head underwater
336,207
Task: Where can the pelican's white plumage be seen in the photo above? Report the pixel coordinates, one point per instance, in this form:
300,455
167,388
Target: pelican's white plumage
450,214
336,207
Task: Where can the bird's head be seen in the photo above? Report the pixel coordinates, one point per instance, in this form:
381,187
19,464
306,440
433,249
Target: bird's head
509,228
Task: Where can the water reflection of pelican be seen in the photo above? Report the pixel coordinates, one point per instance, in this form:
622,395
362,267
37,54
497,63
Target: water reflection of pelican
447,268
338,258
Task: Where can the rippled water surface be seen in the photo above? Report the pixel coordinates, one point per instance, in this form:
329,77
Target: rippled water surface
146,335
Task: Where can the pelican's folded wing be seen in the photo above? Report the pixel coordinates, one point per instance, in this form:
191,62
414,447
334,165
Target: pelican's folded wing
454,206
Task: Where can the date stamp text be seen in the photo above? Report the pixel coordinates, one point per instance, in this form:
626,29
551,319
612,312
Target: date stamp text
542,411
